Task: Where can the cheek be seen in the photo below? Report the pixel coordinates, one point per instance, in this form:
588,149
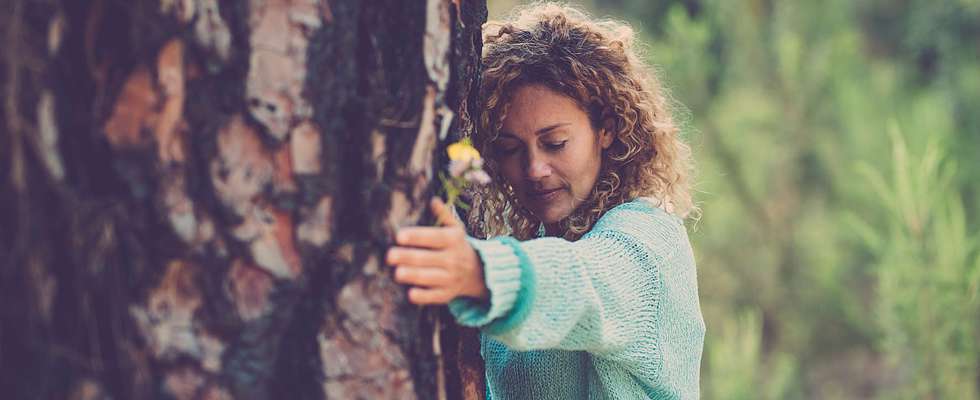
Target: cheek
585,170
584,162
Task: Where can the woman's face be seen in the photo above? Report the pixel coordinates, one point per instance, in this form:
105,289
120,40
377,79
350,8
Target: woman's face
549,152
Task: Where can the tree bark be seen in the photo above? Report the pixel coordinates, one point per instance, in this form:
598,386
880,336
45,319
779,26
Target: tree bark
196,196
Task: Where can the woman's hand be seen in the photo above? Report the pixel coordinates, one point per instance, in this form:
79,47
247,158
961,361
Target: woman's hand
437,261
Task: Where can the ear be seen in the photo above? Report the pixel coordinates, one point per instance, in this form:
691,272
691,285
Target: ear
605,138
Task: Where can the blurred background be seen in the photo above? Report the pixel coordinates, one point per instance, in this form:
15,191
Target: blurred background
838,152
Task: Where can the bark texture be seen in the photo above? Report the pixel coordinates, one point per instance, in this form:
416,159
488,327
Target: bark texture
196,195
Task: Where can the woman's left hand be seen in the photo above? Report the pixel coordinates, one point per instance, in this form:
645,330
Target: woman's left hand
437,261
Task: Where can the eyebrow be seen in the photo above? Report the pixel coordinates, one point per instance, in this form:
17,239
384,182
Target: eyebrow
541,131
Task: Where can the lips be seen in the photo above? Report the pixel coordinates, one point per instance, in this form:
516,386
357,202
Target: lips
543,195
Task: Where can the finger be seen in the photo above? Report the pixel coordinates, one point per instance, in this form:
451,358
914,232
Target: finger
425,236
429,296
421,276
444,214
414,257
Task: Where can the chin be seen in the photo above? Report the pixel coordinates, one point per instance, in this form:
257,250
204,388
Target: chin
550,213
552,216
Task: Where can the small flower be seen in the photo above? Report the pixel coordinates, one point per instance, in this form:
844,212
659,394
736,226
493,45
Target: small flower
463,151
478,176
465,168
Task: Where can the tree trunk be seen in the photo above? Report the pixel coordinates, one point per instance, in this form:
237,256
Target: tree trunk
196,196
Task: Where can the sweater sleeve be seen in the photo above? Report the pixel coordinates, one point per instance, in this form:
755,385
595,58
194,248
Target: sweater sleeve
626,292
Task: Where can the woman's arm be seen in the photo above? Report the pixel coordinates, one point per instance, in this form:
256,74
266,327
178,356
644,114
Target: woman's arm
626,292
596,294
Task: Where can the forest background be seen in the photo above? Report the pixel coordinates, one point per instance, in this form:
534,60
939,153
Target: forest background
837,149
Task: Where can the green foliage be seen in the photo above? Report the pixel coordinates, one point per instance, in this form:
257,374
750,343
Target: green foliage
927,275
739,369
850,270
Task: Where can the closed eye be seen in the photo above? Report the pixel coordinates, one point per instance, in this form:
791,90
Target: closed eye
555,146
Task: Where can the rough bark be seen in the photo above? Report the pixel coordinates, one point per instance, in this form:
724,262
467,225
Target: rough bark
196,195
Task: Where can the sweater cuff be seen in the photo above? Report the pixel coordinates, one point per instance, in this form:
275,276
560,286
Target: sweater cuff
502,272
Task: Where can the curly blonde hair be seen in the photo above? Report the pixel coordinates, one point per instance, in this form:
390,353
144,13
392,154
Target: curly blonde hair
595,64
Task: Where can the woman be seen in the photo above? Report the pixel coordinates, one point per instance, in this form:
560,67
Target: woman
593,293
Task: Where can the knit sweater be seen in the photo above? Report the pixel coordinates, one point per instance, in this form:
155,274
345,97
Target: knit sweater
613,315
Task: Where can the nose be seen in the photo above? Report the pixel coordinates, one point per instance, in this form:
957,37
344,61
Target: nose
538,168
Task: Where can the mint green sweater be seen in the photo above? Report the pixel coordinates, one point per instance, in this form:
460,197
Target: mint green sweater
614,315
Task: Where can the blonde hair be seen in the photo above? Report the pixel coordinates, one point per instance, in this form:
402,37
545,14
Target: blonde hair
595,64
